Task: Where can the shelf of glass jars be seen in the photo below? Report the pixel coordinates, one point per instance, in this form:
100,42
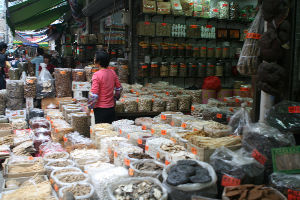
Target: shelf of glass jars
228,21
191,38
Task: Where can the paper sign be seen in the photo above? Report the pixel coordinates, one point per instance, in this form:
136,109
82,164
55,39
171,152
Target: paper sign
230,181
127,162
194,150
167,162
293,195
157,155
163,132
163,117
144,127
131,172
140,141
183,125
146,148
259,157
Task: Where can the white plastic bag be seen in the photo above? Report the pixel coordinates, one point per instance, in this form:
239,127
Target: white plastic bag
45,84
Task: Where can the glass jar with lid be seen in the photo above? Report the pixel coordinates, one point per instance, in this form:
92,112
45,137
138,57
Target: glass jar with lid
164,69
144,49
143,70
227,69
203,52
201,69
154,71
226,52
182,72
210,70
154,50
173,50
165,51
192,70
210,52
196,53
173,69
181,51
188,51
219,69
218,52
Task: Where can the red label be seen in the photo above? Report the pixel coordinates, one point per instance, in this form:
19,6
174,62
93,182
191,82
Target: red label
230,181
167,93
140,141
144,127
147,23
259,157
293,195
193,26
176,4
183,125
194,66
237,100
231,110
152,131
146,148
157,155
294,109
127,162
225,5
173,140
193,108
89,47
167,162
154,65
194,150
115,154
131,172
209,26
219,116
243,89
163,117
255,36
215,10
191,4
163,132
164,24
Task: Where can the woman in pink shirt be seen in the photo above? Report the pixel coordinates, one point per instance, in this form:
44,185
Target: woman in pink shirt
106,89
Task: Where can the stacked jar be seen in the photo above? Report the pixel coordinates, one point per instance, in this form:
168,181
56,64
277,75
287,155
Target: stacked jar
201,70
155,71
182,70
143,70
164,69
192,70
173,69
210,71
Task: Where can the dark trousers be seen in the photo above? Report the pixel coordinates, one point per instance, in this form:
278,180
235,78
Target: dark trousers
2,82
104,115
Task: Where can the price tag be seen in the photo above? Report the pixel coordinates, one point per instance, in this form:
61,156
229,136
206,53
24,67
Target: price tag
154,65
194,66
120,132
163,132
146,148
144,127
225,99
219,116
195,130
56,188
157,155
163,117
30,158
30,81
215,10
194,150
231,110
293,195
128,136
147,23
167,162
237,100
127,162
115,154
183,66
109,151
94,70
173,140
172,123
209,26
176,4
193,108
131,172
243,89
63,72
230,181
79,73
86,172
164,24
183,125
167,93
152,131
255,36
144,66
225,5
259,157
65,139
140,141
124,66
51,181
193,26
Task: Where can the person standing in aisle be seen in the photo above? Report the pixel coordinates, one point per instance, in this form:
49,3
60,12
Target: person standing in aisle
3,48
38,60
106,89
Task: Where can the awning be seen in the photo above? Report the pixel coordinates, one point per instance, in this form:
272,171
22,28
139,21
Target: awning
98,5
35,14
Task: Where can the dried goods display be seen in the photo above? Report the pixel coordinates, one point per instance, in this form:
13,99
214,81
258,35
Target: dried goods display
213,143
36,112
30,87
130,105
15,94
63,82
39,122
187,178
14,73
55,156
67,178
252,191
19,169
248,61
79,190
171,103
123,71
78,75
144,104
158,105
138,188
64,170
3,94
184,102
18,123
285,182
58,164
147,167
81,123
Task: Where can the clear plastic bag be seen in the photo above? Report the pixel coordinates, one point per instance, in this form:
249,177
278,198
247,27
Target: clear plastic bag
36,112
144,104
65,102
30,87
216,130
285,182
53,156
260,138
122,150
42,131
163,194
81,122
184,102
130,105
45,84
18,123
108,144
39,122
69,110
78,190
243,168
239,121
146,168
14,73
154,144
56,172
159,105
186,191
49,147
78,75
117,124
58,164
145,122
171,103
61,180
63,82
59,129
14,94
283,116
248,61
3,97
77,141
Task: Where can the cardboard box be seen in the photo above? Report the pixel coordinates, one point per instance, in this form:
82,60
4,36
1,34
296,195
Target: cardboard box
19,175
164,8
204,154
54,195
149,6
5,129
19,181
48,101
